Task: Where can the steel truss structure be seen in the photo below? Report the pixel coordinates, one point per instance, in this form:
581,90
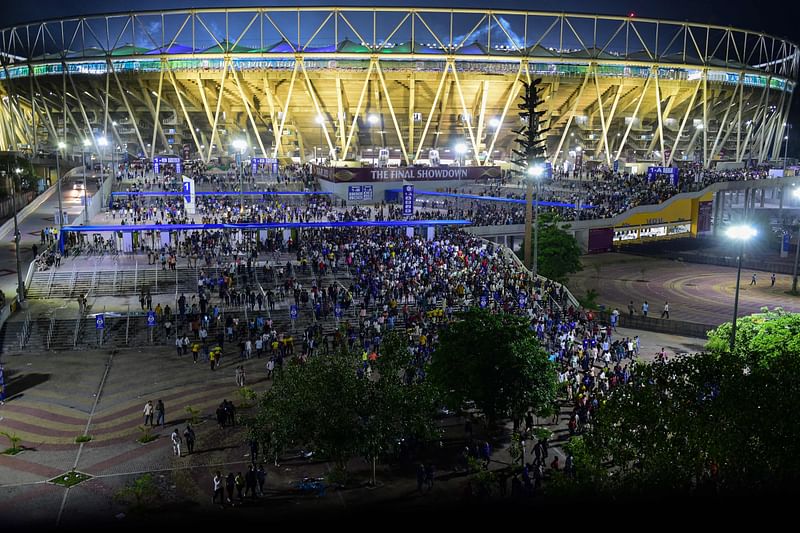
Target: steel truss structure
294,81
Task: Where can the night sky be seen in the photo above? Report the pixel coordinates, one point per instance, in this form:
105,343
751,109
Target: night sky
776,17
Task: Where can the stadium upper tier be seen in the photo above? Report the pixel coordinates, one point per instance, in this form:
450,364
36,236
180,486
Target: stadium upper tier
345,82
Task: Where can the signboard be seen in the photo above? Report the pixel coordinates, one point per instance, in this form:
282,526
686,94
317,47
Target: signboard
704,210
167,160
2,384
373,175
548,170
408,200
186,151
293,312
656,172
270,164
483,301
579,160
616,165
100,322
337,311
787,238
189,202
151,319
359,192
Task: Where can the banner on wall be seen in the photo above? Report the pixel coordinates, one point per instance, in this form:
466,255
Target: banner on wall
654,173
408,200
189,196
704,210
370,174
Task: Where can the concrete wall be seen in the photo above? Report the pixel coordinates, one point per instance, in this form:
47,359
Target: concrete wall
669,326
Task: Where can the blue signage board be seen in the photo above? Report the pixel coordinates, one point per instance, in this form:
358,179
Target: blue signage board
187,191
408,200
293,312
100,322
269,163
616,165
151,319
357,193
167,160
656,172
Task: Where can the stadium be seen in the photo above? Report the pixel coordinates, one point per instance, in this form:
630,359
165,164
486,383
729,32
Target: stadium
343,84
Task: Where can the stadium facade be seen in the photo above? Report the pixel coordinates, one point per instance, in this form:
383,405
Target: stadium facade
345,82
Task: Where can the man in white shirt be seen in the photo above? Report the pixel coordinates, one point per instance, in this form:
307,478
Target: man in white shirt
176,442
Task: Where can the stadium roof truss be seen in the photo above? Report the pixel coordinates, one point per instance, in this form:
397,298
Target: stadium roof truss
289,79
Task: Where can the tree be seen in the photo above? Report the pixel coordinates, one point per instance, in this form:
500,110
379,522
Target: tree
712,418
313,404
496,361
760,338
326,404
559,253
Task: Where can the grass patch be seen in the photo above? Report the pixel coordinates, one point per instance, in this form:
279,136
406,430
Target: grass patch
82,438
70,479
12,451
147,435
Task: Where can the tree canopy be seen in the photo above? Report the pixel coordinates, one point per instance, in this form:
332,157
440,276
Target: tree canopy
326,405
559,253
712,417
760,338
496,361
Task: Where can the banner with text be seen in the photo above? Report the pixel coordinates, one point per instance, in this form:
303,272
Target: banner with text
370,174
408,200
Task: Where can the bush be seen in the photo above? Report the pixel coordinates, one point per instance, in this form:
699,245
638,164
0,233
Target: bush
193,414
82,438
14,439
139,493
147,435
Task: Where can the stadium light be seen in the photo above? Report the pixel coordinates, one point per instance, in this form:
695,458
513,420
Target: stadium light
494,122
372,119
239,144
461,148
578,149
102,141
87,142
742,233
62,145
320,120
536,171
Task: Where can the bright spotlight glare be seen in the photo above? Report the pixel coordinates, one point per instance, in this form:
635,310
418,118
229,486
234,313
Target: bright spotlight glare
536,171
461,148
741,233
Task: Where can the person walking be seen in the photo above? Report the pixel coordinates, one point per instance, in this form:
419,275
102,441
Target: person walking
160,413
630,309
218,490
250,482
420,477
261,476
230,483
148,412
753,279
176,442
645,308
239,482
772,280
189,437
665,312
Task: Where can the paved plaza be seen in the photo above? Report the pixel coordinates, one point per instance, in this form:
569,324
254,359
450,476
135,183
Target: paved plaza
696,293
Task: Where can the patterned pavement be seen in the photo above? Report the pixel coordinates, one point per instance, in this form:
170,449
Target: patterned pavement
696,293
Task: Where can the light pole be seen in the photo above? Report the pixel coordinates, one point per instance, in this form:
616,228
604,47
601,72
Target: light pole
102,142
241,146
742,234
373,120
17,238
61,146
86,143
786,147
535,172
796,253
461,149
319,119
